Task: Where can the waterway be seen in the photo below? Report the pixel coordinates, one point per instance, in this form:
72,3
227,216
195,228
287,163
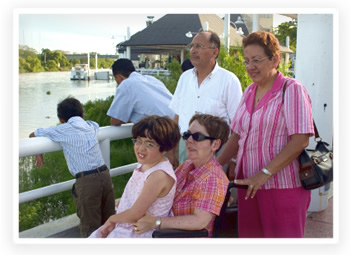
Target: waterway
39,94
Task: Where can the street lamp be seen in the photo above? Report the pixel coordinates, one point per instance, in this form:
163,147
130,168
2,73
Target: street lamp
190,34
239,30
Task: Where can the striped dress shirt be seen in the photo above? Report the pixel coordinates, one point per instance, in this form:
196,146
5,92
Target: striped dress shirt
78,139
266,129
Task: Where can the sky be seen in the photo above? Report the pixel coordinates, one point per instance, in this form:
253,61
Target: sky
78,32
84,32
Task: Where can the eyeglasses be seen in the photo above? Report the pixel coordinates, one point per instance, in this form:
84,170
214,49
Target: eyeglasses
198,46
254,61
148,145
196,136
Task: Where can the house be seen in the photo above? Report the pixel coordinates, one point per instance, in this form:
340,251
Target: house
166,39
244,23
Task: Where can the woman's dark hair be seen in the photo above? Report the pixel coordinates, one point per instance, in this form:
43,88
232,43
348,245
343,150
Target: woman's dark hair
215,126
163,130
123,66
69,107
266,40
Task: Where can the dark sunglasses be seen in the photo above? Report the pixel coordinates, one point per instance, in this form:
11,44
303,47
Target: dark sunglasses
196,136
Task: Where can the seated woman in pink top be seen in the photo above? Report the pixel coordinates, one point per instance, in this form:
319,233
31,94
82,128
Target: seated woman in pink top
152,184
201,182
269,131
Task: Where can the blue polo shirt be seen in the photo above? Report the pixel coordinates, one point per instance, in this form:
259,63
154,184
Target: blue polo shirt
140,96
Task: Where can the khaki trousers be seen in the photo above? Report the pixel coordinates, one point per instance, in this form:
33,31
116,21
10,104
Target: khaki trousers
94,201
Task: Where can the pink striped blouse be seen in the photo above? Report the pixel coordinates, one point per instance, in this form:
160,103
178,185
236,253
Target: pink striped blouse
265,130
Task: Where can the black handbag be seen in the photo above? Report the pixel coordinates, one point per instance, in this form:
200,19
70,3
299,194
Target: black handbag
316,166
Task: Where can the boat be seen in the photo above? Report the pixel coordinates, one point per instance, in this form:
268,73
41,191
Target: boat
79,72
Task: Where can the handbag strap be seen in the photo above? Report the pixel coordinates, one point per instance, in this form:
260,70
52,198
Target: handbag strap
283,92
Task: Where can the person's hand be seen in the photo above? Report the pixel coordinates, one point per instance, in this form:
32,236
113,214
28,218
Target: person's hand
106,228
39,161
254,183
146,223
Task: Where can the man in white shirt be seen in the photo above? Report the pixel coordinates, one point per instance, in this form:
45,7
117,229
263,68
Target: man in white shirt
207,88
137,96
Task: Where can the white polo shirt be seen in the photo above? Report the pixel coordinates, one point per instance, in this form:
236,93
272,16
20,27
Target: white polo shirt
219,94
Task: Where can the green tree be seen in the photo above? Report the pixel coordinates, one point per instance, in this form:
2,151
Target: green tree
34,64
52,65
233,62
58,57
287,29
23,66
25,51
170,82
44,56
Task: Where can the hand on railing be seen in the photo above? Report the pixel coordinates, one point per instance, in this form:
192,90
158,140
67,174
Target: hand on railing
39,160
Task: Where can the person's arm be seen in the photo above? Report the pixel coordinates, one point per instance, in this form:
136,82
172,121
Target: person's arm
38,159
155,184
196,221
230,150
116,122
172,153
290,152
122,106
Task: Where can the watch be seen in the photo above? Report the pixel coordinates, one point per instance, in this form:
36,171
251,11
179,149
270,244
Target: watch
158,222
265,171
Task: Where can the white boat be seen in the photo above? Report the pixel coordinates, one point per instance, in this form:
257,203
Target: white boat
79,72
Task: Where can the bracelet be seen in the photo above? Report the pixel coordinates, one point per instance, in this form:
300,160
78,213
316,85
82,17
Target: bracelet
265,171
158,222
233,160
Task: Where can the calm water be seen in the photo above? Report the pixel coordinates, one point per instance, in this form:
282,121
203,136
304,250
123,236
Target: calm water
38,109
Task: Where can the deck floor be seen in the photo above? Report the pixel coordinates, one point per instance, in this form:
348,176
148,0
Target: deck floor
318,225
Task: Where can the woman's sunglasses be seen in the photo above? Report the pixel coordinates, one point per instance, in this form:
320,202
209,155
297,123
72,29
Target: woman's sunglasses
196,136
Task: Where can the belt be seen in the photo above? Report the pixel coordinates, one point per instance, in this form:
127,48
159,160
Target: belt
93,171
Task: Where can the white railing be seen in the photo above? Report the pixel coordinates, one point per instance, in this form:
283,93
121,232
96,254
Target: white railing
149,71
39,145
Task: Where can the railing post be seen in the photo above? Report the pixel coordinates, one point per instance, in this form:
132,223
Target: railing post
105,147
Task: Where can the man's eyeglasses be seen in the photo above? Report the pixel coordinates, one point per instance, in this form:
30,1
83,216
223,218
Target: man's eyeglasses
196,136
254,61
148,145
198,46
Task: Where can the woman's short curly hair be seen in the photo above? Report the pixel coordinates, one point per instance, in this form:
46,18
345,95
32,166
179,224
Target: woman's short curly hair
215,126
266,40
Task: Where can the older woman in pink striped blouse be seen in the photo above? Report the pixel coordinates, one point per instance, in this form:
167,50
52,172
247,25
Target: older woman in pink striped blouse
270,129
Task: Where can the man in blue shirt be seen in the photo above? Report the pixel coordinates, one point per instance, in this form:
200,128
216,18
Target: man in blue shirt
137,96
93,190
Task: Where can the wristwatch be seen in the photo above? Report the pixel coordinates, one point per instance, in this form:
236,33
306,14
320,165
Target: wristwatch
265,171
158,222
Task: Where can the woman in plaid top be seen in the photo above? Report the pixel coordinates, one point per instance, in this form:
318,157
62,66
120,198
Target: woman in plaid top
201,182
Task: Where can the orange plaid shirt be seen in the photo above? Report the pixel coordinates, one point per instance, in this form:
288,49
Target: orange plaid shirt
201,188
